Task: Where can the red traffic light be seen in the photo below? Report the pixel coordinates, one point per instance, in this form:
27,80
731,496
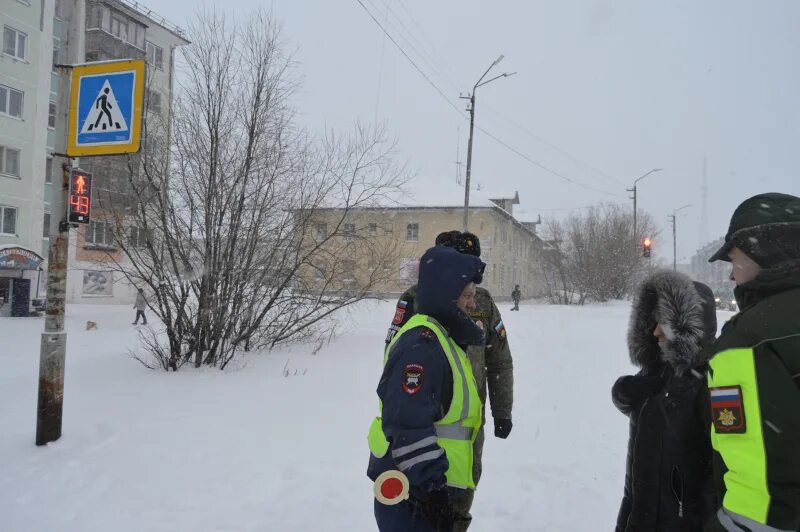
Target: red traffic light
80,197
647,242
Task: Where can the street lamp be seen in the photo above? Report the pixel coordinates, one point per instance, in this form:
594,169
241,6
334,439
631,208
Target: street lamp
471,98
654,170
674,237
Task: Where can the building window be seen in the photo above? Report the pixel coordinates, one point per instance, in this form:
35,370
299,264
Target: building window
51,115
412,232
100,233
15,43
56,53
155,55
349,232
119,27
46,226
57,13
8,220
9,161
320,232
373,229
48,170
153,101
10,101
138,237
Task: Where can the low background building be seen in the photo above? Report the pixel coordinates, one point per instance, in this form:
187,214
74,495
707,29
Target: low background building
510,248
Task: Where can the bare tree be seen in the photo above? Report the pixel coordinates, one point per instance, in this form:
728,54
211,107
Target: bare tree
594,255
224,210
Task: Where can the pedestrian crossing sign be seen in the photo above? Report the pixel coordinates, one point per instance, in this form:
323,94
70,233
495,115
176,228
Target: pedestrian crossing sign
105,113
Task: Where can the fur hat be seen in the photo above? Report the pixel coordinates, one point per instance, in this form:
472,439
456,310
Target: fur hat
687,314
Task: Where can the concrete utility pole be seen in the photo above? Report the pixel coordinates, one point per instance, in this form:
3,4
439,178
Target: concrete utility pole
675,236
54,340
654,170
471,98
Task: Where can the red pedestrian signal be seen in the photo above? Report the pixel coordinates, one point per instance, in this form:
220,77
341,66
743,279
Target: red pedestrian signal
647,246
79,208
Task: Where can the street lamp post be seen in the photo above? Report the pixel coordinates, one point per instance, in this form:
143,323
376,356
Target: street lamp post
654,170
675,236
471,98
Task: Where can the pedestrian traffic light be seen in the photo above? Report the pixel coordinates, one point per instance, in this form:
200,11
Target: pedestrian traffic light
80,197
647,246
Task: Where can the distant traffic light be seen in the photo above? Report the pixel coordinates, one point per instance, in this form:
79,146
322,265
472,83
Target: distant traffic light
647,246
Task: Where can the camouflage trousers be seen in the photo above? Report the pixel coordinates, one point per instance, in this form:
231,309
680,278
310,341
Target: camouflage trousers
462,506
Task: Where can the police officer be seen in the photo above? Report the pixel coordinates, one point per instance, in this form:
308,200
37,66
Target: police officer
491,362
431,411
754,377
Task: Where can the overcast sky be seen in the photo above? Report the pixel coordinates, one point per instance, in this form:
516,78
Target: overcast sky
605,91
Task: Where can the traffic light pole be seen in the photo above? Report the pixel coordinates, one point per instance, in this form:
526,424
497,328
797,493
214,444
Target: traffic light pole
53,350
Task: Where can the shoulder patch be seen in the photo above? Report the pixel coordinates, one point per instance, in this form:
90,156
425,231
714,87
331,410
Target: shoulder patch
399,312
413,377
500,329
727,410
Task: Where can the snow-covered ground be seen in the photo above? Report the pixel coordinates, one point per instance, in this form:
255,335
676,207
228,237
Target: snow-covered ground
251,449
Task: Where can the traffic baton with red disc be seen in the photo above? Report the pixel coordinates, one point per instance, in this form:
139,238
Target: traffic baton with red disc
391,487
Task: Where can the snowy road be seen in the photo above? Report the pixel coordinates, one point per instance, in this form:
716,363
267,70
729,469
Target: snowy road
253,450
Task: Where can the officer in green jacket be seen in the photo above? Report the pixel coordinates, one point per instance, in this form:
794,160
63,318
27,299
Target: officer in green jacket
492,364
754,376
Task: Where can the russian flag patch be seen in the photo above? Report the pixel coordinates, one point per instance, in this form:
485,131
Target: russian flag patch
727,410
500,329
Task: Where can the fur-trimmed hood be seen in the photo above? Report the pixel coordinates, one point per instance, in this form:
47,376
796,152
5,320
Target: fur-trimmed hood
687,313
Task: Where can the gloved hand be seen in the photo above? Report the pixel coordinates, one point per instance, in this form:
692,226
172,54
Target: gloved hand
437,510
630,391
502,428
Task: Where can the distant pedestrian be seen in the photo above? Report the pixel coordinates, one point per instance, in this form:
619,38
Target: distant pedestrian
516,295
140,306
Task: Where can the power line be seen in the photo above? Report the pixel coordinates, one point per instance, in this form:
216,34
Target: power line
442,70
432,84
490,135
435,53
419,48
554,147
543,167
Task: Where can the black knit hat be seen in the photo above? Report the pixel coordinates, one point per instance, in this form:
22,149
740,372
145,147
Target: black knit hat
447,238
470,244
766,228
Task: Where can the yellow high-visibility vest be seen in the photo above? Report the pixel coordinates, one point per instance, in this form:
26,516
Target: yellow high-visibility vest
457,430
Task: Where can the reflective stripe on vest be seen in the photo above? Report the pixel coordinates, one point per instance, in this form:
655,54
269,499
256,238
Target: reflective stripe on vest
744,455
458,428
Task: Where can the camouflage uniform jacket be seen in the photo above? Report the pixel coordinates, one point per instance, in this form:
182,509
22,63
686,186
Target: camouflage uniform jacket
491,363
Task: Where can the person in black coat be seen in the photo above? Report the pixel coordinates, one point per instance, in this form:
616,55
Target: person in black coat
668,480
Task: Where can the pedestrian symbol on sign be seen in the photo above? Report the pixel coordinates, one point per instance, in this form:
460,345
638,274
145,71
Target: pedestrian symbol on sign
105,114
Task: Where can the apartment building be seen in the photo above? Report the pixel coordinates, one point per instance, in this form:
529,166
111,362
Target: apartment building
26,122
120,29
510,248
38,39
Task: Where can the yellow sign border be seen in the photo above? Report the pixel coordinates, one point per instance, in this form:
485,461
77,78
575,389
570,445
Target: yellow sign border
110,67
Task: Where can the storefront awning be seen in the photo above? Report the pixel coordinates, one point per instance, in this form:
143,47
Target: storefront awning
19,258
